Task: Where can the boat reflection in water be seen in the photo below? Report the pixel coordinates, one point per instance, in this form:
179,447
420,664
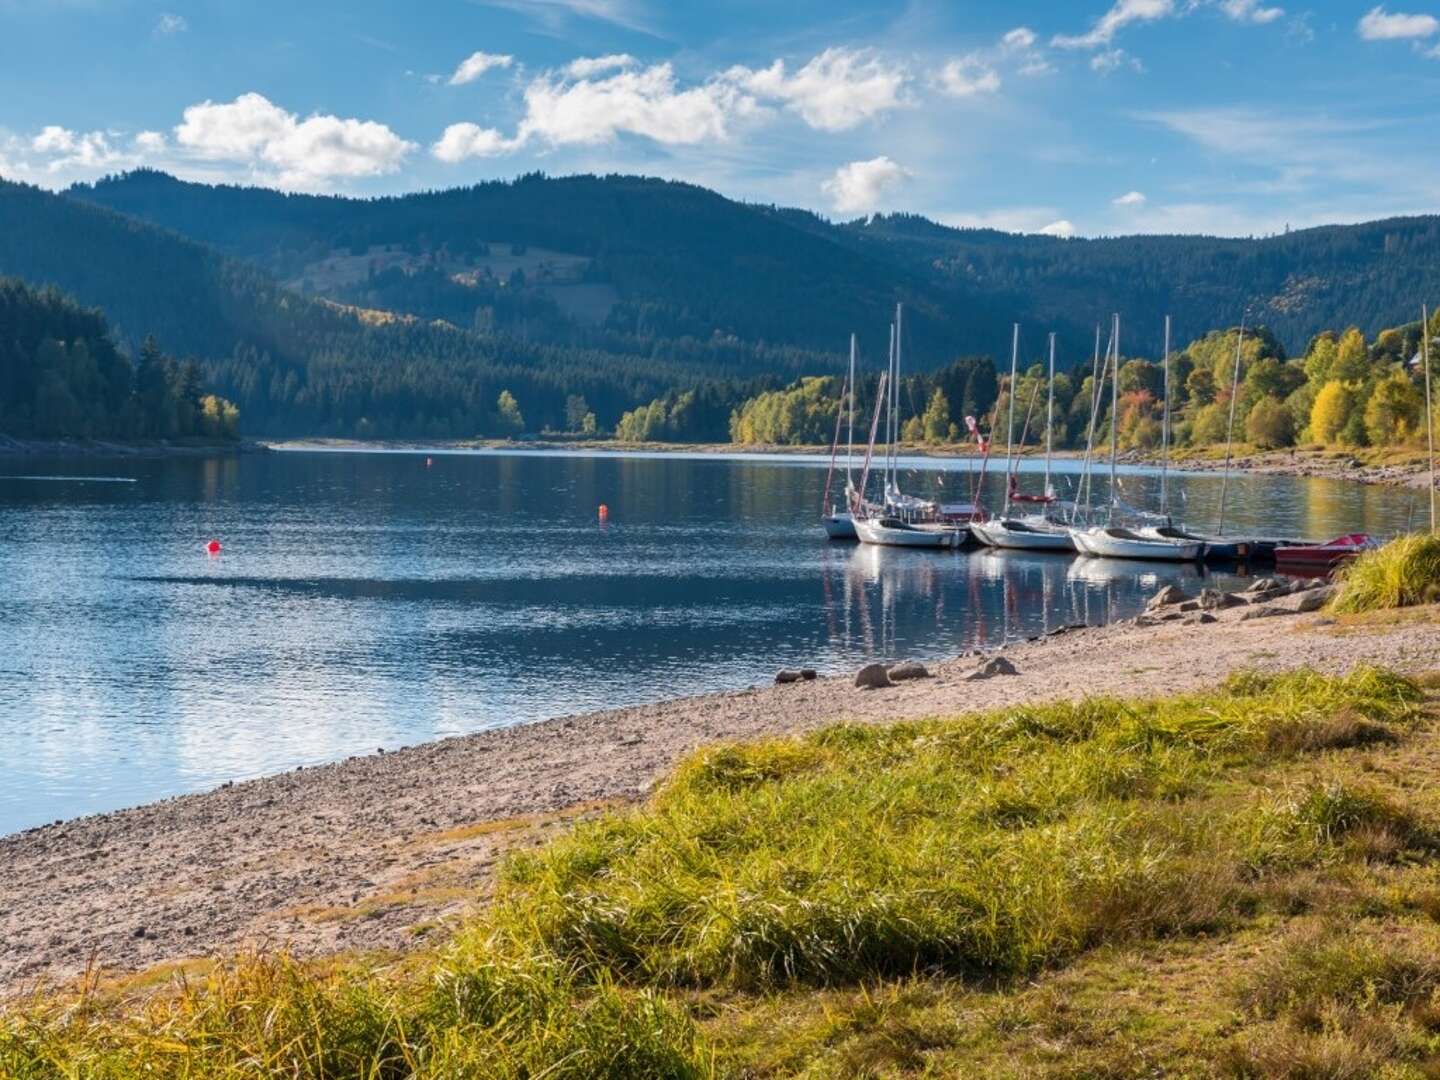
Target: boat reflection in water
890,602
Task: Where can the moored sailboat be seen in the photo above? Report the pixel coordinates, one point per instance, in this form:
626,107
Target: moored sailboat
1112,540
1031,532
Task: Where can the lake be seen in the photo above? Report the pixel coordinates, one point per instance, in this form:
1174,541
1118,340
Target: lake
365,600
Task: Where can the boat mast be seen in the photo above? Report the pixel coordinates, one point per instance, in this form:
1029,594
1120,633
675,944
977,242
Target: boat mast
1050,414
1010,424
870,448
1164,431
889,417
895,396
1097,382
1429,416
1230,428
850,439
1115,418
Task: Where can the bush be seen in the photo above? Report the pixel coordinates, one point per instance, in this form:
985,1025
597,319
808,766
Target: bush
1269,425
1404,572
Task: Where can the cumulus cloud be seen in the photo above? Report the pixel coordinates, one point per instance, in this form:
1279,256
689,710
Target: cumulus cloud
461,141
1377,24
1120,15
860,186
171,24
594,100
587,66
1251,11
1062,228
294,153
967,77
837,90
477,64
1130,198
150,142
62,149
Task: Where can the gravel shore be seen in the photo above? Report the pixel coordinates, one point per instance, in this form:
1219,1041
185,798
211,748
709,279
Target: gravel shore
380,851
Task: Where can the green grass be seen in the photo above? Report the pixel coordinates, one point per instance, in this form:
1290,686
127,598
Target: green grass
1403,573
1015,893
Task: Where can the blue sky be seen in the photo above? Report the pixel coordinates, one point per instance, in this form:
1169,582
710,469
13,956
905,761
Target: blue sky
1097,117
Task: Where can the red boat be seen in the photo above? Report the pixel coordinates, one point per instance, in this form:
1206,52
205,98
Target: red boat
1318,558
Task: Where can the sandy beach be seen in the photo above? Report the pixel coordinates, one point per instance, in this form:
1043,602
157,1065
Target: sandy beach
382,851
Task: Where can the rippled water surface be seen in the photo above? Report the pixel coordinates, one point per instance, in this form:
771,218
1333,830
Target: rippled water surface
365,600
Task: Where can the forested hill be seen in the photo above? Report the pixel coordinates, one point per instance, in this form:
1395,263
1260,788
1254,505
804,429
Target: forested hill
617,259
621,260
62,376
1372,276
298,365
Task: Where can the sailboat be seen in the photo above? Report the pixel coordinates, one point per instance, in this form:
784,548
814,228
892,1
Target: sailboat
1217,546
902,520
1032,532
840,523
1113,541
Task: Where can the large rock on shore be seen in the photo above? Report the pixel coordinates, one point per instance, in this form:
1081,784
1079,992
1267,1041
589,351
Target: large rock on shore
1170,594
873,677
908,669
988,669
1315,599
1215,600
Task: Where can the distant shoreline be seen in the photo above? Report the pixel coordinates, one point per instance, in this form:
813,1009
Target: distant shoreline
111,448
1391,468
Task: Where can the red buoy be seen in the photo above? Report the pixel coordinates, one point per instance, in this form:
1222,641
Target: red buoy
213,547
428,462
604,512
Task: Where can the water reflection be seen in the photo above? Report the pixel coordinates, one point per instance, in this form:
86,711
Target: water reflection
363,600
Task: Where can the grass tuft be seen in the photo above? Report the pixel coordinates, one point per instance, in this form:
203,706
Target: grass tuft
992,845
1403,573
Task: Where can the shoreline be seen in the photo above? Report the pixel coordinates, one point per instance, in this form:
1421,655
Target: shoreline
110,448
1401,469
382,851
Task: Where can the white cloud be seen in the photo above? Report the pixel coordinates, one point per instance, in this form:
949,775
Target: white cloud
587,66
62,149
1117,18
967,77
1108,60
1130,198
171,24
1022,37
593,100
1250,11
461,141
293,152
647,102
565,111
150,142
1377,24
860,186
477,64
837,90
1062,228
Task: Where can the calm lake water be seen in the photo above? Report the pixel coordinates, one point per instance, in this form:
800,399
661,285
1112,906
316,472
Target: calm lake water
363,600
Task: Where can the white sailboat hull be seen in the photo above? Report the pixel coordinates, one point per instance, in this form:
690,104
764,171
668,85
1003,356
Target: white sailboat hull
1009,533
1113,543
840,526
873,531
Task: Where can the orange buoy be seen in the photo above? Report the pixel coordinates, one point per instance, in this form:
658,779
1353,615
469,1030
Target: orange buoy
604,512
213,547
